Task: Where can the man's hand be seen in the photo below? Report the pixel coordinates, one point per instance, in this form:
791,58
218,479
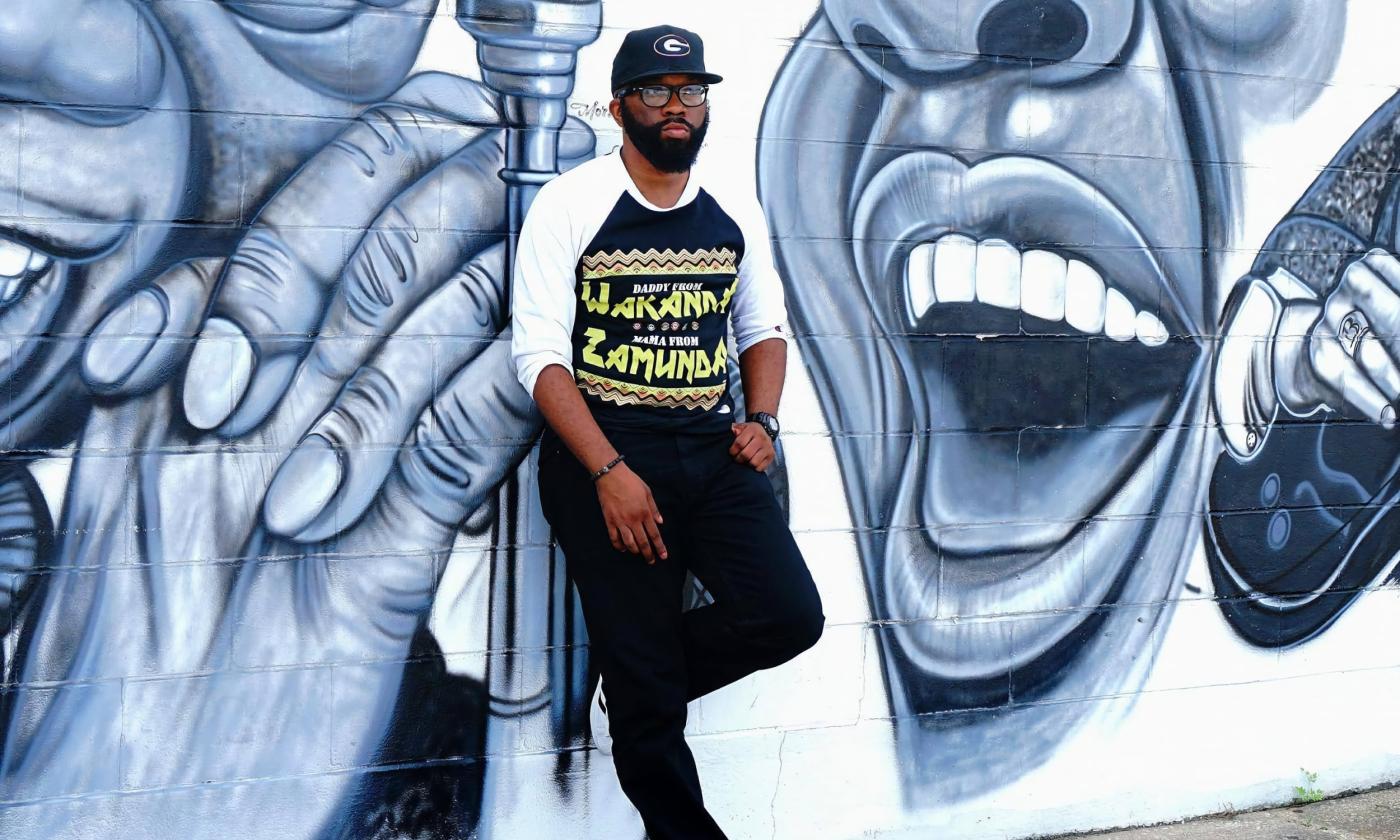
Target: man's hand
752,445
630,513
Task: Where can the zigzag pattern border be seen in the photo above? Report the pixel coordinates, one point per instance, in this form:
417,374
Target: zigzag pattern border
652,261
625,393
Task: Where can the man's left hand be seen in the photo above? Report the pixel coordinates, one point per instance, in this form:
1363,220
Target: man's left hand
752,445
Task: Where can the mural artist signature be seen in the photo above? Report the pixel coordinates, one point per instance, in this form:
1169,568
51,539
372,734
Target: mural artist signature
594,110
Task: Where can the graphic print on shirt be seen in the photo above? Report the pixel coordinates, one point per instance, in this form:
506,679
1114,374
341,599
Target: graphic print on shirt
654,290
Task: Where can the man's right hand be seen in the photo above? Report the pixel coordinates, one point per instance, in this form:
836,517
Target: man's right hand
631,514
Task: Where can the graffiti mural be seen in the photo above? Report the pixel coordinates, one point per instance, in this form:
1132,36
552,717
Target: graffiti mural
272,563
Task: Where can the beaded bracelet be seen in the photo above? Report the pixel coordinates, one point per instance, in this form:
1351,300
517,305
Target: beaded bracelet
606,468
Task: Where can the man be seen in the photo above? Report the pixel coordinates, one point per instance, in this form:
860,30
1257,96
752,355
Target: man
627,271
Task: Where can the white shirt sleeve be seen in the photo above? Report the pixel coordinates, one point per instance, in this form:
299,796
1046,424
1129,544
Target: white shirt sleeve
542,295
759,309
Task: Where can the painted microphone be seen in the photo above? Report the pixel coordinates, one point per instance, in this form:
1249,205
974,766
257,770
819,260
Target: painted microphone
528,51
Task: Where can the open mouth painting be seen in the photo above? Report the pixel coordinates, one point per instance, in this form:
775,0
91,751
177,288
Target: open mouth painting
1006,331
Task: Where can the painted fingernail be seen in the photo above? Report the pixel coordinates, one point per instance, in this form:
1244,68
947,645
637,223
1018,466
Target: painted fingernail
303,486
218,374
1388,417
124,338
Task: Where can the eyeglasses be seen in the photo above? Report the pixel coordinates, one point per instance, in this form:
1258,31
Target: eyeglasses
656,96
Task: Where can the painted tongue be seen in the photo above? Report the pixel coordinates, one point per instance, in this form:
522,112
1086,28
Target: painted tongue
1017,422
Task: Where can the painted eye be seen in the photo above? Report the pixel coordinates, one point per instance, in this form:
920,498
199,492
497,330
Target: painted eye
1289,39
1245,21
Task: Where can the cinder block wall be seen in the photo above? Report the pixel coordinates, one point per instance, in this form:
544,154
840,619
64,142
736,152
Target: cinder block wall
1088,431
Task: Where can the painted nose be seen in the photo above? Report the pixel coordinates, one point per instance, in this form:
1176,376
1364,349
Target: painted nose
1038,30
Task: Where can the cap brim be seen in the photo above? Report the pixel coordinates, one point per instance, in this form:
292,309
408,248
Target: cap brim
705,78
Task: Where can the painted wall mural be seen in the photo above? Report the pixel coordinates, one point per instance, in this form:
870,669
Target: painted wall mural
1091,424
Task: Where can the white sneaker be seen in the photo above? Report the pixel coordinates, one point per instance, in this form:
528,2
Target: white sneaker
598,721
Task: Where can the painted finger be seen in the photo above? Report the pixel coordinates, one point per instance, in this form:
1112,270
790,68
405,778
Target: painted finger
336,471
277,283
477,430
1385,265
142,342
1348,382
1379,366
1364,300
415,246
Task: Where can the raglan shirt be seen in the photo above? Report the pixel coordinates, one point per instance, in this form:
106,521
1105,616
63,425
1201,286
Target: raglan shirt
635,300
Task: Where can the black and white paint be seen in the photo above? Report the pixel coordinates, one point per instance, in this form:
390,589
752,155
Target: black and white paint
1073,364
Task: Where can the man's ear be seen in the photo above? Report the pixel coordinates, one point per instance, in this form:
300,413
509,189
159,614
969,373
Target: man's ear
615,108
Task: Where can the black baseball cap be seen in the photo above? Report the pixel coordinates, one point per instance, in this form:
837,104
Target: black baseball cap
657,51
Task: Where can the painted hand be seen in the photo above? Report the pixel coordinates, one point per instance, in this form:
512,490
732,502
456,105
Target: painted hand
1342,354
366,288
403,416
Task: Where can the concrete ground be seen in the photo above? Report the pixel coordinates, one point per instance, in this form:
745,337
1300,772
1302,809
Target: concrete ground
1363,816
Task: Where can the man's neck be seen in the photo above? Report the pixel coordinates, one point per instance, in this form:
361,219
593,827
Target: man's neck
662,189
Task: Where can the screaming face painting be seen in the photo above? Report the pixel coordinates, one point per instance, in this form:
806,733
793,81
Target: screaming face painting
1009,302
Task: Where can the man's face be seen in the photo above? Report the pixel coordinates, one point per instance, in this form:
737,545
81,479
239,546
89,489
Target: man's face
668,136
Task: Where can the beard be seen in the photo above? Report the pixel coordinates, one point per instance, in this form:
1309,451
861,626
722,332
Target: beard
665,153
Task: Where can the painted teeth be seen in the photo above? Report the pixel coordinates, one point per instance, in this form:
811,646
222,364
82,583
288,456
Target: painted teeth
954,270
958,269
918,280
14,258
1043,285
12,288
1084,298
19,266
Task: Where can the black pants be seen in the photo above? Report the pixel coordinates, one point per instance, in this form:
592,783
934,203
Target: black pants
723,523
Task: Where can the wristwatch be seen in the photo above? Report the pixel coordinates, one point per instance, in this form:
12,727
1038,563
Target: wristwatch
767,421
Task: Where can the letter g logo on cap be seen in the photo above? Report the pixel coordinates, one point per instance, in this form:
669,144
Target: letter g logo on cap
671,45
